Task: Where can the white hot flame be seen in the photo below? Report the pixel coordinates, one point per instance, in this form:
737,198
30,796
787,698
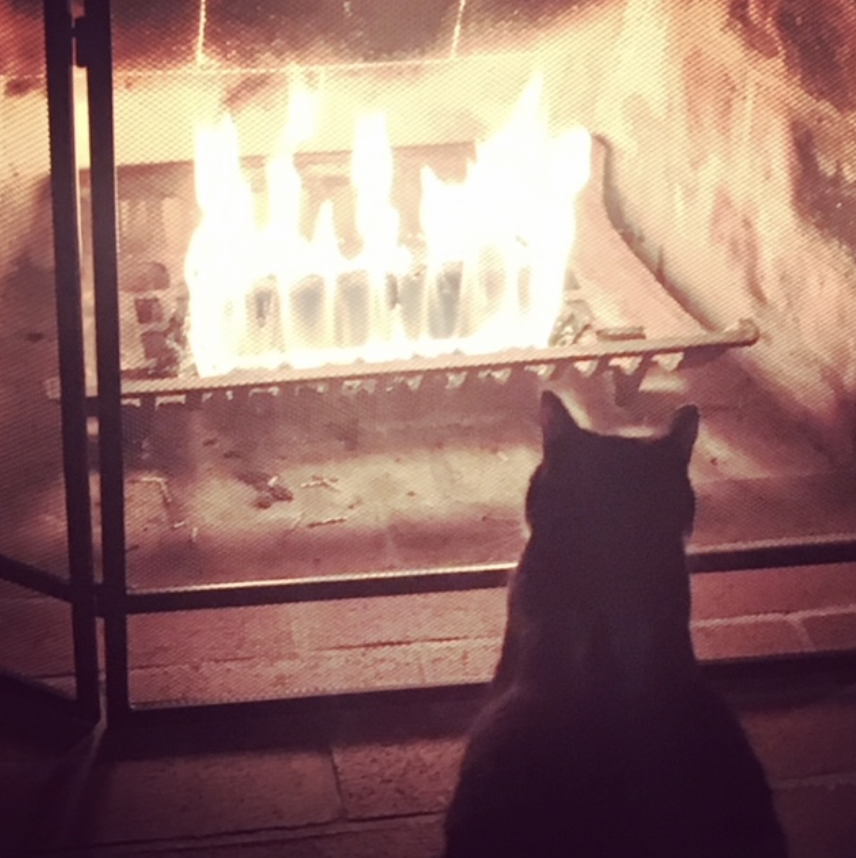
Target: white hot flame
496,245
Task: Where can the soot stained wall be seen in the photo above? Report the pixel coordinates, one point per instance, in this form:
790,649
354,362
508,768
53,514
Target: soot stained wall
735,174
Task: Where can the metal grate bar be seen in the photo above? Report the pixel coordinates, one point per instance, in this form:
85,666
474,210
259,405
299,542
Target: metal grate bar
745,333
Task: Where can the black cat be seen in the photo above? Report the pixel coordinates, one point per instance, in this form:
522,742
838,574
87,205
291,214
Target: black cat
601,738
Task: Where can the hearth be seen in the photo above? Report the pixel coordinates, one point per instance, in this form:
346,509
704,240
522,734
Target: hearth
313,269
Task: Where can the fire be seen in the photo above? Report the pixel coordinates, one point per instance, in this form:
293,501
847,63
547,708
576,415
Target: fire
490,276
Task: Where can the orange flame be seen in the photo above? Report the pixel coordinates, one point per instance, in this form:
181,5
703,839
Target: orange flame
497,246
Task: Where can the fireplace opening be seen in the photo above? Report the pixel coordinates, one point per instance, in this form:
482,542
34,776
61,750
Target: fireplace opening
352,247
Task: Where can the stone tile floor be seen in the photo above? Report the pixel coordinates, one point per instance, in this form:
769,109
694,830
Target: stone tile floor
354,778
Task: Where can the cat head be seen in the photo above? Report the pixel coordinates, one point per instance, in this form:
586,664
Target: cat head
610,492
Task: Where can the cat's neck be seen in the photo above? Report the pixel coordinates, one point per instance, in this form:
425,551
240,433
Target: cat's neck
618,578
578,623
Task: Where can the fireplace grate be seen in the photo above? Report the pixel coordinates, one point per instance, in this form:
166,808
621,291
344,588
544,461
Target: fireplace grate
627,360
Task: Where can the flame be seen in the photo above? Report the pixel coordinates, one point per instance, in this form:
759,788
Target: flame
496,249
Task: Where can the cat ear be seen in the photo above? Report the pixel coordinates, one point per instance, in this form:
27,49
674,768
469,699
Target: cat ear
556,421
684,431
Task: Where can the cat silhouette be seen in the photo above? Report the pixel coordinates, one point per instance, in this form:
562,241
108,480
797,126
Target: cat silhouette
601,737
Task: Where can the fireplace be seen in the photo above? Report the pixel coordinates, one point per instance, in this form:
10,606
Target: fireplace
329,256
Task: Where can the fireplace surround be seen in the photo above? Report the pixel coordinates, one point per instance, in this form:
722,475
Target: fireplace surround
290,481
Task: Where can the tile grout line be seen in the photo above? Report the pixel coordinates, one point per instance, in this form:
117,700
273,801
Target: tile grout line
829,781
801,632
846,610
251,837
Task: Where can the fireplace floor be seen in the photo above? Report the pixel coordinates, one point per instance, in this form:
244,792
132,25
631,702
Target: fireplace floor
441,491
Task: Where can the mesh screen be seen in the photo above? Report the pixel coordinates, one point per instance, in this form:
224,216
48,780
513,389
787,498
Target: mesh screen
32,514
308,184
239,129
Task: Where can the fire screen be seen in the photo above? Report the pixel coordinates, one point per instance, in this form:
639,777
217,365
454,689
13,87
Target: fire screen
340,245
329,255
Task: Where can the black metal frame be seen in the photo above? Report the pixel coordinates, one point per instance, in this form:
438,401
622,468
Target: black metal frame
111,600
78,589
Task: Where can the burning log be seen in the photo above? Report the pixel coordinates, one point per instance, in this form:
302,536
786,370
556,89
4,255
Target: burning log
264,324
492,249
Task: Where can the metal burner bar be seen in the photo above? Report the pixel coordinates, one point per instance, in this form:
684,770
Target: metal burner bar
689,351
